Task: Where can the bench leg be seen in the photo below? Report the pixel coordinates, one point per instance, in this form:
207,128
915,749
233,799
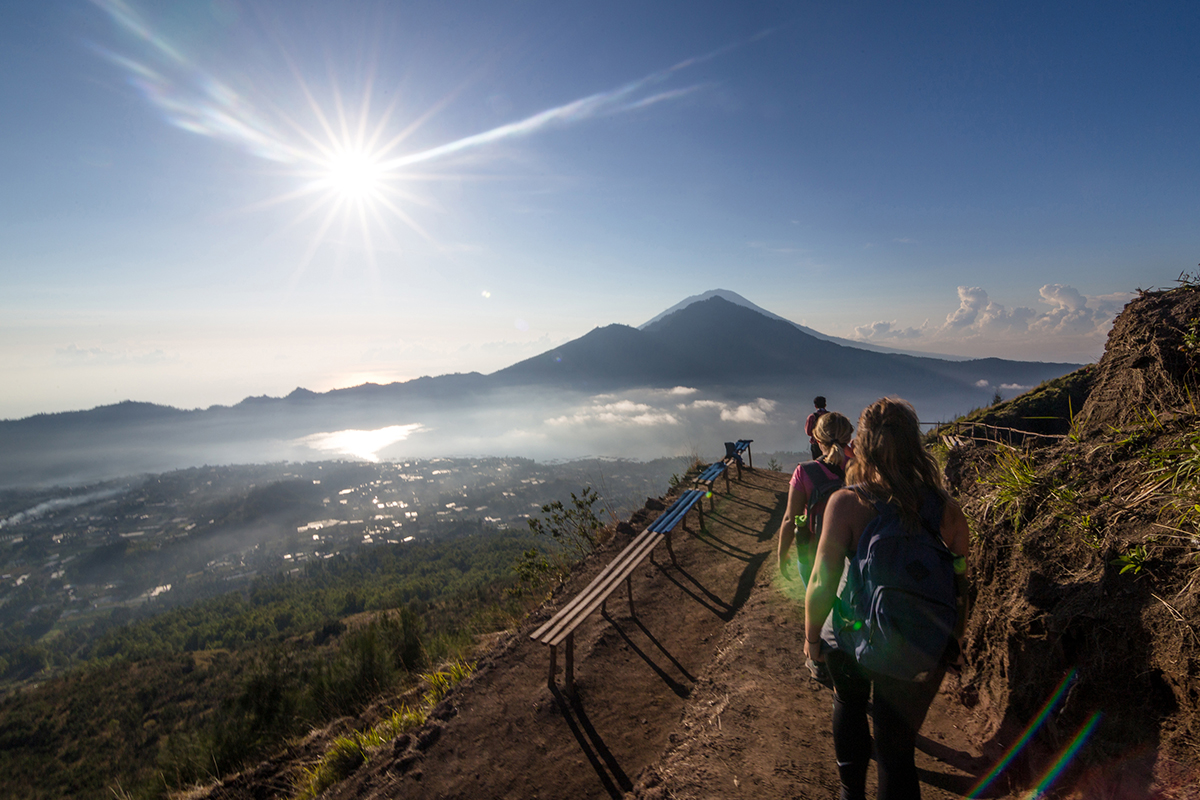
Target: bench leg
569,665
749,457
700,517
553,665
670,549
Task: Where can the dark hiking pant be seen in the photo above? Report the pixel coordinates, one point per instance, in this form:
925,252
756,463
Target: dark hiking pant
897,712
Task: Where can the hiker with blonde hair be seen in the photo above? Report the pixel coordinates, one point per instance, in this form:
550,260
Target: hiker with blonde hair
811,484
902,542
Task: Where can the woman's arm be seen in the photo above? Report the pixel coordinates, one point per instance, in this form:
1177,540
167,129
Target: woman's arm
837,532
957,535
955,532
797,502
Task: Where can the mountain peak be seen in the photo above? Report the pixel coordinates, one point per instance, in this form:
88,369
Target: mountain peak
737,299
724,294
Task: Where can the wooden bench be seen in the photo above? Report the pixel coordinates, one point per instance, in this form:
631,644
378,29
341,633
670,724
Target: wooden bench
560,628
714,471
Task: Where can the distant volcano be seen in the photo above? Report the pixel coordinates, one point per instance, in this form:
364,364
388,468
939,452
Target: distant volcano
709,370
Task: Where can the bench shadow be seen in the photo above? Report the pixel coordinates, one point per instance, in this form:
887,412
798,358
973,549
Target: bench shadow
675,686
717,543
710,600
725,610
766,533
741,501
726,522
611,776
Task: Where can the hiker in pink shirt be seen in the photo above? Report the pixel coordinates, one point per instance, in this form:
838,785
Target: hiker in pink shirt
811,484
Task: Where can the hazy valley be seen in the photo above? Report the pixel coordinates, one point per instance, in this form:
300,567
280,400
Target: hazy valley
715,370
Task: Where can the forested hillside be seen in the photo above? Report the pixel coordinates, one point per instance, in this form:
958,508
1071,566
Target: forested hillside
201,690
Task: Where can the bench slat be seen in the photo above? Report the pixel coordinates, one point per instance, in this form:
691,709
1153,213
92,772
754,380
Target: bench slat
567,618
587,601
678,510
617,565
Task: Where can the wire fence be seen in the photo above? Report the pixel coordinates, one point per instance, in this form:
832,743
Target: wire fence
982,432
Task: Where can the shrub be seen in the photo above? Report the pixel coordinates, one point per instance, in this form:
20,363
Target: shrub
570,533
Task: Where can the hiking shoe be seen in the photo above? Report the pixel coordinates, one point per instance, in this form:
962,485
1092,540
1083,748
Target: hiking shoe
820,672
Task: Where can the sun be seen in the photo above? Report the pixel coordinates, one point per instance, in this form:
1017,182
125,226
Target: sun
354,175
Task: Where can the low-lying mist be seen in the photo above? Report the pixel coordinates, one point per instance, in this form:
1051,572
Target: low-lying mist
637,424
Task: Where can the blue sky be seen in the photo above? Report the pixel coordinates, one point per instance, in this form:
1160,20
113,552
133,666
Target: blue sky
201,201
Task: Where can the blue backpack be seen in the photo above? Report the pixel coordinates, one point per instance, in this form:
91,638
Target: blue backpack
898,609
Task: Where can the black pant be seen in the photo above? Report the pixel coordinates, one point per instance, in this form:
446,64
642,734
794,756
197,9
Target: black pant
898,710
815,449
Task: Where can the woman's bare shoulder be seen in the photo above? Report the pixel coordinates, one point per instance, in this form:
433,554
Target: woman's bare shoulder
851,503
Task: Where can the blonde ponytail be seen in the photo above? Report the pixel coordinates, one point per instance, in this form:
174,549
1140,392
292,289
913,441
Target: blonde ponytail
833,433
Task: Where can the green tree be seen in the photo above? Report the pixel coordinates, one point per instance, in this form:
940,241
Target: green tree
566,534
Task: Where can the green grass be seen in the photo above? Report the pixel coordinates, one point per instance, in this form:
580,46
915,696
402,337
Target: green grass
1013,480
348,753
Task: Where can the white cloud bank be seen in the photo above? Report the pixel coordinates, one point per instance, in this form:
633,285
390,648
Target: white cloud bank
661,408
621,412
1074,326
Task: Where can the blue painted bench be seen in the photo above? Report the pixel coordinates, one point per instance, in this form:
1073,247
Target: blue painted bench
560,628
714,471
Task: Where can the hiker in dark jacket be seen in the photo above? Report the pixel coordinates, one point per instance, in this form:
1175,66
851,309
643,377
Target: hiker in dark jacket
810,426
833,431
891,468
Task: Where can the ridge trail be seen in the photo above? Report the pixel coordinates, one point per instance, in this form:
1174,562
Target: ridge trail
702,694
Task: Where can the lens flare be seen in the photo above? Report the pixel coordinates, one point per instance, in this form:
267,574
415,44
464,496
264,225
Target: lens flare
1064,758
1030,730
346,167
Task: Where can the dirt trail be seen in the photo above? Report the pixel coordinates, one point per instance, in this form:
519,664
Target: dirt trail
702,694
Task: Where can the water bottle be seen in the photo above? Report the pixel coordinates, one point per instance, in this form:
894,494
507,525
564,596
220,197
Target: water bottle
961,587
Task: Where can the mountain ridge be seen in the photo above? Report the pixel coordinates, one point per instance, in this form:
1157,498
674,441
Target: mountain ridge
685,374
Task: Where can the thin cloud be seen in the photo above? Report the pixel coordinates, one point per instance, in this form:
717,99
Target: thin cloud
74,354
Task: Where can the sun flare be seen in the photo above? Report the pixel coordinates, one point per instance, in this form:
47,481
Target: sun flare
355,175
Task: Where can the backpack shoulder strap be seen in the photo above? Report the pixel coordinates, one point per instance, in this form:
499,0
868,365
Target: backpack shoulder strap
820,479
880,506
823,487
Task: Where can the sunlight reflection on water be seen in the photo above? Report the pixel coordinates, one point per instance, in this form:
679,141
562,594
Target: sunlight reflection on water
360,444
